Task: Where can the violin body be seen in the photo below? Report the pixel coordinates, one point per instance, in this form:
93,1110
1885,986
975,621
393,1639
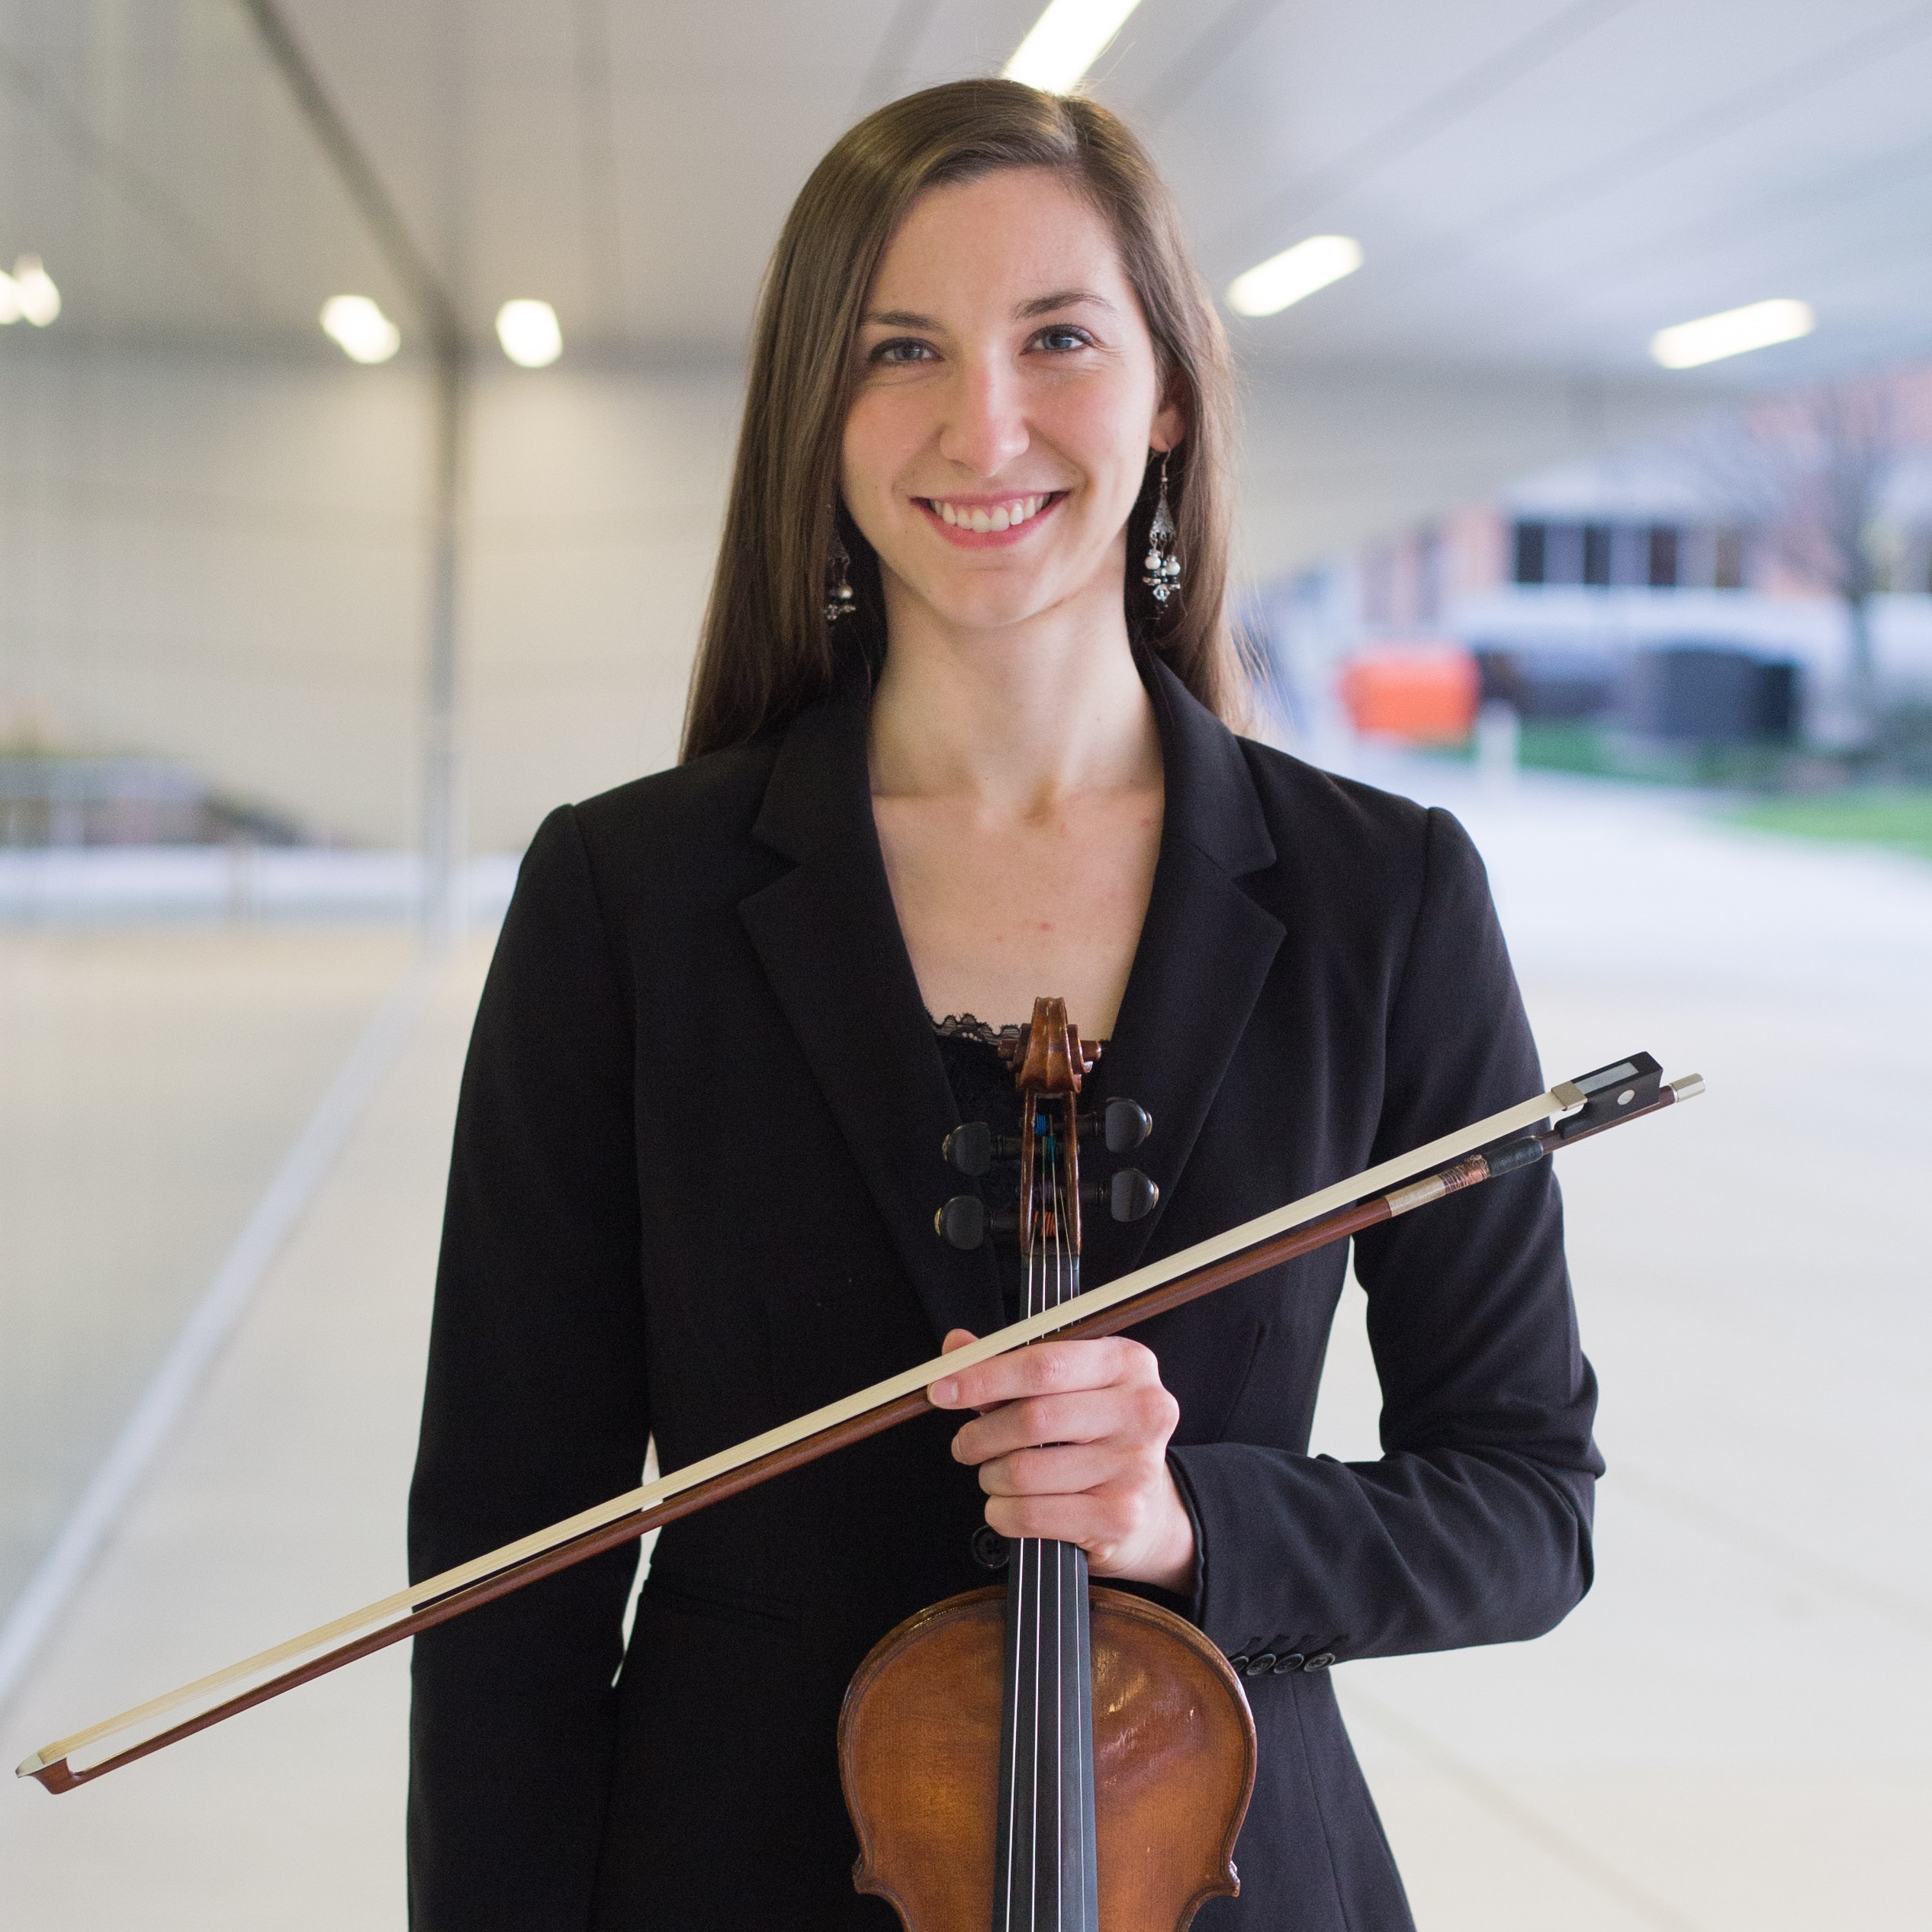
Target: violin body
920,1751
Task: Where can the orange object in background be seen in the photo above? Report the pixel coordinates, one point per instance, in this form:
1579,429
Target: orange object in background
1427,693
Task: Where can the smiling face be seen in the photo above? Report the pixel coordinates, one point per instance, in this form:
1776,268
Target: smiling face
1007,395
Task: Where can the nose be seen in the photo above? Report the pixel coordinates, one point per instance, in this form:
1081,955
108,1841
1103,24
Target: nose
985,427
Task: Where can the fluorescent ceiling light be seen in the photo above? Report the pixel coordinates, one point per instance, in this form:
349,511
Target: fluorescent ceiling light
1295,272
28,293
529,334
363,331
1066,40
1712,337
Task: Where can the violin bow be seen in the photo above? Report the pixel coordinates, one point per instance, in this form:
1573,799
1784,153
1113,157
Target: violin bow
1517,1137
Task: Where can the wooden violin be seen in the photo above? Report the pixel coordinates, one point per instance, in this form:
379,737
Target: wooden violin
1055,1756
1571,1112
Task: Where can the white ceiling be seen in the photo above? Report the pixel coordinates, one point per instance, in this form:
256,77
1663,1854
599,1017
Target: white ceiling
1539,184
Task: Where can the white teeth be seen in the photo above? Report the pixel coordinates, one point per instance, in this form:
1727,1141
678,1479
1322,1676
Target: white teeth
1004,516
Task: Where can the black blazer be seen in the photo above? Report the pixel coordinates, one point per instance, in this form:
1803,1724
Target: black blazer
696,1161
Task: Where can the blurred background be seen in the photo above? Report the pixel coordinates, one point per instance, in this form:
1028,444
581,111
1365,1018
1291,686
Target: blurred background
368,377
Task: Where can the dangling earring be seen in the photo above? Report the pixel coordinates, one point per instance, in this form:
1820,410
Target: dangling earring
1163,576
839,600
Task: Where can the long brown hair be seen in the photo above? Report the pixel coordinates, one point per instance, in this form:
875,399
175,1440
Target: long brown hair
766,650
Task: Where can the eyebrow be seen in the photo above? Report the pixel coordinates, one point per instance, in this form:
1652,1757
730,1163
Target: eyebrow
1061,298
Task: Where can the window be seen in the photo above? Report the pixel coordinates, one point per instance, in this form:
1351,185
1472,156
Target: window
1663,557
1562,553
1529,553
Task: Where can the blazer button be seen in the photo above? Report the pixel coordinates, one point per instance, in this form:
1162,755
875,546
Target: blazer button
1238,1662
1293,1661
1320,1661
989,1547
1259,1665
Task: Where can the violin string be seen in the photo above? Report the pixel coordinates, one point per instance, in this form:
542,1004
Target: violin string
1072,1594
1018,1585
1044,1862
1061,1564
1031,1553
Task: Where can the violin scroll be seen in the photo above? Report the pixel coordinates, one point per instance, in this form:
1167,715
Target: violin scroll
1050,1061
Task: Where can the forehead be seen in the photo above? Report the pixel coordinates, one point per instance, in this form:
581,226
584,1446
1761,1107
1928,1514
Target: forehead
991,242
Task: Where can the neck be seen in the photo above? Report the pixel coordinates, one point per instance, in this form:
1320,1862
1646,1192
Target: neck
1013,718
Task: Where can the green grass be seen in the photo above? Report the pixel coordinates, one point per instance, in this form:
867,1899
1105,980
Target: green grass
1901,821
1591,751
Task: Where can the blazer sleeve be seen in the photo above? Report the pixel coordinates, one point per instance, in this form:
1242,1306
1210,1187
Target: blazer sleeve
1474,1525
535,1408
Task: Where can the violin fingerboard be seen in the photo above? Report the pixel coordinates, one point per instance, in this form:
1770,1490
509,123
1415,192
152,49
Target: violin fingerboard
1045,1875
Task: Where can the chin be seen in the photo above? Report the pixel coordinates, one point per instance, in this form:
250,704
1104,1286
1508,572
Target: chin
985,610
987,600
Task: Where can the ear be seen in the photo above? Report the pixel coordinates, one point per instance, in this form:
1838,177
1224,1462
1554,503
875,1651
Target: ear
1170,422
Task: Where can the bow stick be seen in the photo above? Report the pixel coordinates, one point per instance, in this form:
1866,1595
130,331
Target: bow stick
1571,1110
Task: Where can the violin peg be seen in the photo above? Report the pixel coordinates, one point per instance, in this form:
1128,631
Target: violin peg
962,1222
1128,1123
1132,1196
970,1148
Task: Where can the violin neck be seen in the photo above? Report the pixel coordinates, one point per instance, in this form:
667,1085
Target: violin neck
1045,1877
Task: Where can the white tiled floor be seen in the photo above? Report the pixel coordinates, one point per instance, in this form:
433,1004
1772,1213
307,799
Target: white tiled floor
1732,1731
152,1077
281,1502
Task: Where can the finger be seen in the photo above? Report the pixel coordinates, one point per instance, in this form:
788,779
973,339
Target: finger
1141,1416
1069,1469
1046,1368
957,1338
1101,1521
1091,1415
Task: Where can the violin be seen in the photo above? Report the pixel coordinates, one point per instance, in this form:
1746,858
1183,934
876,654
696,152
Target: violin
1066,1757
1571,1112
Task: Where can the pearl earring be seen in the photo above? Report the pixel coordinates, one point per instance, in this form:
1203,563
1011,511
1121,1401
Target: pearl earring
839,600
1163,576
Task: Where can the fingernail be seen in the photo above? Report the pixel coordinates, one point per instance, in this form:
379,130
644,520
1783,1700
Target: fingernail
944,1393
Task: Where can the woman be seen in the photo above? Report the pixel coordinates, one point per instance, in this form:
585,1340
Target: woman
697,1157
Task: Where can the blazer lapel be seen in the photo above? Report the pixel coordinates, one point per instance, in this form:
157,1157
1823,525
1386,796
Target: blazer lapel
1205,953
828,938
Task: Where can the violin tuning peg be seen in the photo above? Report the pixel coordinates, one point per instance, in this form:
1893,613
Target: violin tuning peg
1132,1195
1128,1124
962,1222
969,1149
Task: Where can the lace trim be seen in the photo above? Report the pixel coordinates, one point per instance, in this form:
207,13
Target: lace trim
967,1025
955,1024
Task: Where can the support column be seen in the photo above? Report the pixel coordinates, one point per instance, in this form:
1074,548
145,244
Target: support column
445,842
442,796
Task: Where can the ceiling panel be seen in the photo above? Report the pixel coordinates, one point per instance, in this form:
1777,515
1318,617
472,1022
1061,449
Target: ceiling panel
1538,183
